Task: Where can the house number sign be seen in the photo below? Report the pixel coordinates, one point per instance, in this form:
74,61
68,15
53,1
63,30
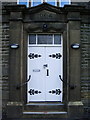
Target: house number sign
36,70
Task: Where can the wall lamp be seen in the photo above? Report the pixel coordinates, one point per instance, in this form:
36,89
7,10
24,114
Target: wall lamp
14,46
75,46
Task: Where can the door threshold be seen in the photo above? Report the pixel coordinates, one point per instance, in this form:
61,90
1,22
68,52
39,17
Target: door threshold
45,103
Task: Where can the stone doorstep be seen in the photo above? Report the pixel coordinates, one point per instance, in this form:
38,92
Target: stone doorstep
45,103
44,107
44,114
44,110
43,119
63,112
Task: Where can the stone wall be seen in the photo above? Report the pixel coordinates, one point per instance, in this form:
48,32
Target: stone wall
5,65
85,67
0,60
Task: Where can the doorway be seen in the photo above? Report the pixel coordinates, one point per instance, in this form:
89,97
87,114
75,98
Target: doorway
45,67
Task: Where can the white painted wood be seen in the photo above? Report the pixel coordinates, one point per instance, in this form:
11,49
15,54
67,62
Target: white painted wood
39,79
55,69
35,69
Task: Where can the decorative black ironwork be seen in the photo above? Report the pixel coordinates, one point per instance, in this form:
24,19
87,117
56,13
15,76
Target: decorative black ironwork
57,91
57,55
32,92
61,78
32,55
21,85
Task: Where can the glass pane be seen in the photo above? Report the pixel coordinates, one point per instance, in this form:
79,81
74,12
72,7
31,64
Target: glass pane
32,39
64,2
36,2
57,39
23,2
45,39
52,2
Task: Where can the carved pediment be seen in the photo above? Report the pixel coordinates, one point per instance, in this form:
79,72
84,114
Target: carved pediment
44,6
44,15
44,12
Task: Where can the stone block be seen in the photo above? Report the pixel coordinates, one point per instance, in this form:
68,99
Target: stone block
14,109
75,109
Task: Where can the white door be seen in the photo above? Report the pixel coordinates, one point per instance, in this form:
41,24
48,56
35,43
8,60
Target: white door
44,66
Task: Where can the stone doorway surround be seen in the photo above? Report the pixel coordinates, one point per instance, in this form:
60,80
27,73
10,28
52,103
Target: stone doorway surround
41,19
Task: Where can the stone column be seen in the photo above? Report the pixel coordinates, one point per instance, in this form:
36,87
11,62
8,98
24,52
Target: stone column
15,103
75,106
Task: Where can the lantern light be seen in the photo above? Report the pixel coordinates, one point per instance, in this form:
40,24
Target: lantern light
14,46
75,46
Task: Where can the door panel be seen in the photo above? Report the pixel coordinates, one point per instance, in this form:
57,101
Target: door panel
35,69
53,83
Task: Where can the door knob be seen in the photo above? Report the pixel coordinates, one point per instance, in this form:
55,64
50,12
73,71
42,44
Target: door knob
45,65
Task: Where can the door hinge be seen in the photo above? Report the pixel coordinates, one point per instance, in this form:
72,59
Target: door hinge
32,91
57,91
57,55
32,55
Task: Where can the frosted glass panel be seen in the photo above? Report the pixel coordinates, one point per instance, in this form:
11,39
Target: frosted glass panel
57,39
45,39
32,39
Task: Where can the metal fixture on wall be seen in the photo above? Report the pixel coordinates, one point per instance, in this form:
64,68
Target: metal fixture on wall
14,46
45,27
75,46
71,86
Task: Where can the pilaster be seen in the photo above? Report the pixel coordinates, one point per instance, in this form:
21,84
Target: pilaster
75,106
15,104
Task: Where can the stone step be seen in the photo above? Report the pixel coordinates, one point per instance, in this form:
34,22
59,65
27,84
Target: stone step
44,114
40,119
44,107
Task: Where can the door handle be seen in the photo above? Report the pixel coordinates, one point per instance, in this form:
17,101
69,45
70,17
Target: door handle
47,72
45,65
